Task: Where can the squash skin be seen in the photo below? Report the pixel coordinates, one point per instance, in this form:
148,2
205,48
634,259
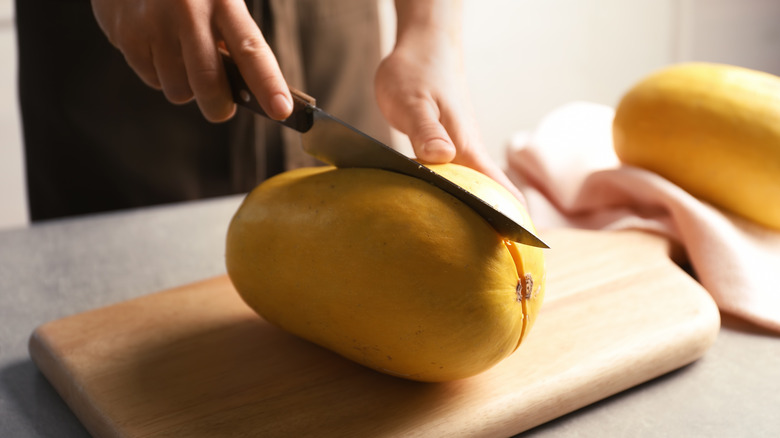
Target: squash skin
713,130
386,270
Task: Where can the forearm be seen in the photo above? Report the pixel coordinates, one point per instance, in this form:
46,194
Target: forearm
428,20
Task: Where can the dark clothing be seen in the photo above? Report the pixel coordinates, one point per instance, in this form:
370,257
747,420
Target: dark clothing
97,138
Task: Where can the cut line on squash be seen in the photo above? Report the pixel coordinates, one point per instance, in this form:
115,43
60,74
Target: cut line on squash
524,286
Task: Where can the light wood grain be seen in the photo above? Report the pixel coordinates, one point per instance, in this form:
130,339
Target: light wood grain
195,361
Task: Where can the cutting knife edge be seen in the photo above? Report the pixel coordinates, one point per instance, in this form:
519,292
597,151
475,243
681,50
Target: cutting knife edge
337,143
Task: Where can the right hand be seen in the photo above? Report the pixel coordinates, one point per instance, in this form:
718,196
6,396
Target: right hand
173,46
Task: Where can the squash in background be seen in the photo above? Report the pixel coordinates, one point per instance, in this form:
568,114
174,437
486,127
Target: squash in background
713,130
387,270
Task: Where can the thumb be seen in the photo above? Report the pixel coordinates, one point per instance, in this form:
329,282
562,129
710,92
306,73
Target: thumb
429,138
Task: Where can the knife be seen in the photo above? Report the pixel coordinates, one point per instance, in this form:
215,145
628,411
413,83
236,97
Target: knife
334,142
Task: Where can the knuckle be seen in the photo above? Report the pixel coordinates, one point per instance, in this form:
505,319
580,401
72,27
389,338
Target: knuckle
208,90
253,47
204,77
430,129
213,98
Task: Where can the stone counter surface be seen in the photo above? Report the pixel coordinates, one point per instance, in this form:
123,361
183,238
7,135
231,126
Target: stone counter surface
64,267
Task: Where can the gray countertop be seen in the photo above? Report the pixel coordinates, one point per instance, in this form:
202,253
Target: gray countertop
63,267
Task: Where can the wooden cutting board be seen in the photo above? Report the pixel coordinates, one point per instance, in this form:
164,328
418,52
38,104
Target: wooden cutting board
195,361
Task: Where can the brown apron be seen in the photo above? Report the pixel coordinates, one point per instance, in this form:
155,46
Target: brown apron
97,139
330,49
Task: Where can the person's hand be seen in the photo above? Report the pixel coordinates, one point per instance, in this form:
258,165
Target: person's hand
422,91
173,45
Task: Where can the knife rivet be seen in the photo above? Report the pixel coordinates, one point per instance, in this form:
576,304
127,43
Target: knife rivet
244,95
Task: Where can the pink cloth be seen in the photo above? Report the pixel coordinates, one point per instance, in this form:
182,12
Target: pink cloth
572,178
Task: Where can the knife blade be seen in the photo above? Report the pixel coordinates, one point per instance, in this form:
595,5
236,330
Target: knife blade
335,142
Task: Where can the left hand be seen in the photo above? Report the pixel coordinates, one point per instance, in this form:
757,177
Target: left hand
422,91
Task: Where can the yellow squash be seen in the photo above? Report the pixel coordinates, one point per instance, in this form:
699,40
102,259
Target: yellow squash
713,130
387,270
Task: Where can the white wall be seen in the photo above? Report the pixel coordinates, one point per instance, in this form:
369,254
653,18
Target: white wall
745,33
524,58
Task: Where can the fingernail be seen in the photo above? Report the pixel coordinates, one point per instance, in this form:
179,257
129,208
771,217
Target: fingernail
437,150
434,145
281,106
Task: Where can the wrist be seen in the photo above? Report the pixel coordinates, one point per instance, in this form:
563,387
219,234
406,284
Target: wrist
428,21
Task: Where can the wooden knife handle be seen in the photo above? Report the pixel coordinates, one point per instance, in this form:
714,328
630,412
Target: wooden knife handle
301,118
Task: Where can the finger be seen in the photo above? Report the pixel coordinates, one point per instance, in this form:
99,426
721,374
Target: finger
462,129
206,74
471,151
171,71
430,140
135,46
143,66
487,166
473,155
254,59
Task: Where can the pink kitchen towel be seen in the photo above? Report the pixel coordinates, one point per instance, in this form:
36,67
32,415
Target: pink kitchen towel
572,178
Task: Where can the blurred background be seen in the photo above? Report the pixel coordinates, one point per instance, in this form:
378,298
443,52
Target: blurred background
523,59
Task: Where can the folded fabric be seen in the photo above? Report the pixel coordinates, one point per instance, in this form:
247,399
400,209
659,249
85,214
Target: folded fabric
571,176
